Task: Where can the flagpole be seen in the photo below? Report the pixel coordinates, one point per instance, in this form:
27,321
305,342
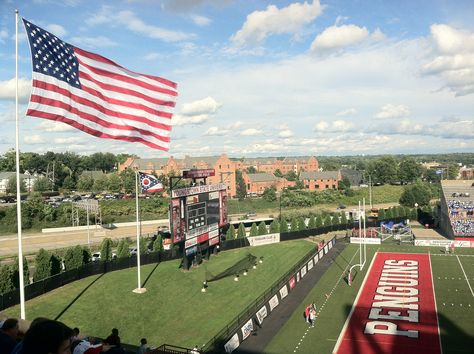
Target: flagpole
18,182
139,289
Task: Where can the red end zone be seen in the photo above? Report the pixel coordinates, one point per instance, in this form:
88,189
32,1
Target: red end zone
395,311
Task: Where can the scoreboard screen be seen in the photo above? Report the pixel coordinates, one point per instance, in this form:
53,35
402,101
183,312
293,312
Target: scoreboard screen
197,213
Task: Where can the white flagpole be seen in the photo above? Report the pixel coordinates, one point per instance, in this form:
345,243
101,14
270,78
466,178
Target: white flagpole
365,235
360,237
18,182
139,289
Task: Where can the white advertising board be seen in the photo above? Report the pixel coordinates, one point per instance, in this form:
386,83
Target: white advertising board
366,240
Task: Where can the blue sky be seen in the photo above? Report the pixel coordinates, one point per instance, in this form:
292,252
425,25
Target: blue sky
268,78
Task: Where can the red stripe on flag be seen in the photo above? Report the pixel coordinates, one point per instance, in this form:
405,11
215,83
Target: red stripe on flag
116,76
100,58
395,311
91,118
92,104
96,133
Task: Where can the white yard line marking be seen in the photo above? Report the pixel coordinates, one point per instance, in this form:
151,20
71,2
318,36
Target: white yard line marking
465,276
435,304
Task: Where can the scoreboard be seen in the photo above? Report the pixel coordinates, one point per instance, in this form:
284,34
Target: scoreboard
197,213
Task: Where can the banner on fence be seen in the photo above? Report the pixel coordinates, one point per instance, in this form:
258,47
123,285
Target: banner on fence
310,264
366,240
321,254
264,239
292,282
261,314
283,292
297,277
247,328
273,302
330,244
326,249
444,243
232,344
303,271
315,258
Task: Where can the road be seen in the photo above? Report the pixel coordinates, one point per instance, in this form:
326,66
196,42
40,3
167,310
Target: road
34,241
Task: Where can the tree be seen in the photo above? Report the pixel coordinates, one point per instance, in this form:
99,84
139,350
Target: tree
106,249
55,264
68,183
383,170
43,265
269,194
262,228
85,183
16,272
251,169
294,224
115,183
42,184
101,183
8,161
230,233
241,233
128,180
254,230
418,193
301,224
382,215
123,248
11,185
283,226
291,176
311,222
158,243
343,218
274,227
409,170
327,220
318,221
453,171
73,258
278,173
241,187
6,283
344,183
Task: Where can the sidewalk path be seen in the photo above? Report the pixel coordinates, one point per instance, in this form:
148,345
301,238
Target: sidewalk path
257,342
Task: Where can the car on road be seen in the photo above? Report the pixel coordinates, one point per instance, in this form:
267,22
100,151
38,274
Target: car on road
96,257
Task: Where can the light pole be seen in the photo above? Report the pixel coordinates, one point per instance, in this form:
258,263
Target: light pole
370,191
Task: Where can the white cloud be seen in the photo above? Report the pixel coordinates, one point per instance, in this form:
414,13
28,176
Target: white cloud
53,126
57,30
251,132
347,112
205,106
337,126
200,20
336,37
3,35
130,20
453,58
215,131
288,20
235,125
69,140
199,119
287,133
389,111
93,42
33,139
7,89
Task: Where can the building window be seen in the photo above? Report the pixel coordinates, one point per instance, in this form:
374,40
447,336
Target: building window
316,186
327,186
219,167
306,186
248,186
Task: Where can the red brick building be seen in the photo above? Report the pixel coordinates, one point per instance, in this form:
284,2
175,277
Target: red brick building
315,181
256,183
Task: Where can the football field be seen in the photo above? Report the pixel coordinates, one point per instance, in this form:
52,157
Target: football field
406,299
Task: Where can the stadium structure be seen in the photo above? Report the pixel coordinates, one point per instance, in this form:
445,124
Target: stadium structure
457,207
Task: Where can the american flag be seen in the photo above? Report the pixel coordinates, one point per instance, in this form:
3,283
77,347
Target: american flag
149,183
97,96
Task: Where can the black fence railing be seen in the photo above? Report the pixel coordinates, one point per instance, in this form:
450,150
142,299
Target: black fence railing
216,344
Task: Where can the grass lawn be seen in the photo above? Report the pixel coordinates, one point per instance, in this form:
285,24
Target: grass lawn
453,297
173,310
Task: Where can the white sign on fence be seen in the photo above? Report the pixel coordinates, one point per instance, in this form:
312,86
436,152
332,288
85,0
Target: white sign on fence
442,243
273,302
366,240
264,239
232,344
247,329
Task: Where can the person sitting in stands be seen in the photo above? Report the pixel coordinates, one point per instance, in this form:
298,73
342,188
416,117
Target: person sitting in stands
143,349
47,337
8,335
113,338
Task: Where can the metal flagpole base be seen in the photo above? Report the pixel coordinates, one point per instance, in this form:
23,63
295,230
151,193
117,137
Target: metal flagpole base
139,290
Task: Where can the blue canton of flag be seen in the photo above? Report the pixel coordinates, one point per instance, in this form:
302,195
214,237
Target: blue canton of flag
149,183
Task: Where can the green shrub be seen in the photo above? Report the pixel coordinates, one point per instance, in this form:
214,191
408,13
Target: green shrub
254,230
106,249
262,228
43,265
301,224
16,273
294,224
241,233
274,227
158,244
284,226
230,233
6,283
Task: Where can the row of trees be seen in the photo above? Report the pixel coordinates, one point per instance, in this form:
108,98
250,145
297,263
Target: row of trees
49,263
316,221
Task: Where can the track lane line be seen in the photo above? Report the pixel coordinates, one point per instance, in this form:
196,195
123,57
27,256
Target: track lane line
465,276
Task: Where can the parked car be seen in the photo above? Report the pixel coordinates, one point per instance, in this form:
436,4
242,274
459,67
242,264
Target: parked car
96,257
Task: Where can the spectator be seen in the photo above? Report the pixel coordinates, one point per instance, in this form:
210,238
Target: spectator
8,335
75,337
143,346
47,337
113,338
